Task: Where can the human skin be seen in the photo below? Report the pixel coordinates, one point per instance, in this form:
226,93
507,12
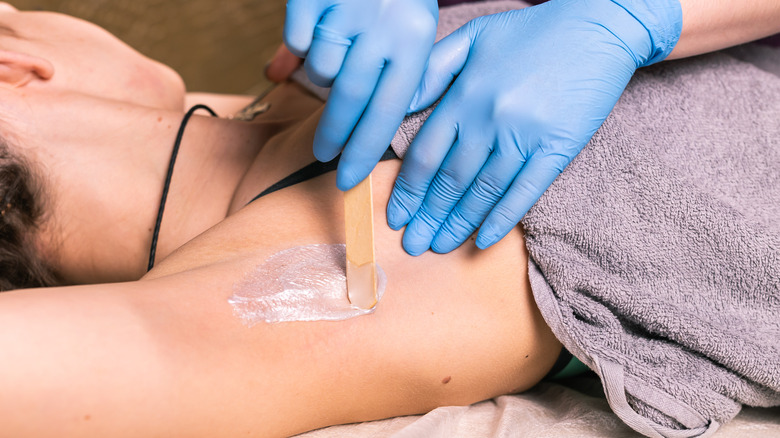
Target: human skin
165,355
74,47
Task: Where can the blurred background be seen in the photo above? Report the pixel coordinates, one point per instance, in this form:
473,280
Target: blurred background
217,46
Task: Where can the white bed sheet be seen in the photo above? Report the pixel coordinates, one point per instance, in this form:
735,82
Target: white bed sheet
572,408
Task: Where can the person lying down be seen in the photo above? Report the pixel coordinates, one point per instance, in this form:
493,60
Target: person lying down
107,350
93,345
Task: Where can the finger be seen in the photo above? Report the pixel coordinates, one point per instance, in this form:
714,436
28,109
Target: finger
282,65
488,188
381,119
421,162
329,47
348,98
451,182
535,177
447,59
300,19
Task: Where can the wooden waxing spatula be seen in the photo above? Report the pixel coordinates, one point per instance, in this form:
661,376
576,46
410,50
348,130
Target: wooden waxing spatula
361,261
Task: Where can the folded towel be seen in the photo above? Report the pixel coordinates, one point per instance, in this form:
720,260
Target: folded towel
655,256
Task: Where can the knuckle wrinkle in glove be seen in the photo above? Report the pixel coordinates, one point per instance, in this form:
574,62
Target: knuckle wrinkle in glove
503,217
487,188
325,33
458,225
452,181
408,193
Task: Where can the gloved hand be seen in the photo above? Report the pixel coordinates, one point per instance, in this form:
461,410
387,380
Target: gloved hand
530,88
373,53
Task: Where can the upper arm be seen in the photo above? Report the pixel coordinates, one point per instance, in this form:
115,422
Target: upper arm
450,329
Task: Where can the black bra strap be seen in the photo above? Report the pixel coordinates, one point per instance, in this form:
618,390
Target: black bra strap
313,170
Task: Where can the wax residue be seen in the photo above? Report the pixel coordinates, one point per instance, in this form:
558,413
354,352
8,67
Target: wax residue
304,283
360,293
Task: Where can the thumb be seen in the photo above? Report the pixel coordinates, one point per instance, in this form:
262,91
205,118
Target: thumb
282,65
447,59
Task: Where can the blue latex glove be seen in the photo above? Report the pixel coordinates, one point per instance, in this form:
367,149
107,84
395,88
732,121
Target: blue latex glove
373,54
530,88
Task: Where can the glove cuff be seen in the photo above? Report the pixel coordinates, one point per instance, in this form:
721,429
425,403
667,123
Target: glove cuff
663,21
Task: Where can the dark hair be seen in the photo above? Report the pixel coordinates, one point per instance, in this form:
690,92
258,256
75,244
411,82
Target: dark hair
21,215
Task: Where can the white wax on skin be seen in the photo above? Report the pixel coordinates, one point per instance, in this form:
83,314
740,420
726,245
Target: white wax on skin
303,283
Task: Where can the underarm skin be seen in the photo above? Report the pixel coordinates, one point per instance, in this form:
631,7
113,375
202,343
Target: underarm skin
166,355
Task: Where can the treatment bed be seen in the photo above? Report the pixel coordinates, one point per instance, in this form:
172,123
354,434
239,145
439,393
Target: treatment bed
570,408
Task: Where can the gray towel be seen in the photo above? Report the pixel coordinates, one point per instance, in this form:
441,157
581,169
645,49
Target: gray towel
655,257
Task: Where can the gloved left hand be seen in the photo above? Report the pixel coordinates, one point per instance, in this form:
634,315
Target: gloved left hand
530,88
373,53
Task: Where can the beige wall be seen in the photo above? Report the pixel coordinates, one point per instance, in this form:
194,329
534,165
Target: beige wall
219,46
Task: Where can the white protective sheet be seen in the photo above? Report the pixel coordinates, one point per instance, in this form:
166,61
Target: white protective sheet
573,408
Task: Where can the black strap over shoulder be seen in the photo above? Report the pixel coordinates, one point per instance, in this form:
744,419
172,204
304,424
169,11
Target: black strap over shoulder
313,170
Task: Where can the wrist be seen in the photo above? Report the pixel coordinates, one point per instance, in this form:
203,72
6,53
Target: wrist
662,20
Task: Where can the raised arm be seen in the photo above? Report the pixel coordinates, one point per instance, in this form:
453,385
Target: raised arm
166,356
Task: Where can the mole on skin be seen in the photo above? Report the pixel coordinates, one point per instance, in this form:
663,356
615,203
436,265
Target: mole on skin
303,283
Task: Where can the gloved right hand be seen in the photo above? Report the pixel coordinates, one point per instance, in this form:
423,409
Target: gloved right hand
525,91
373,54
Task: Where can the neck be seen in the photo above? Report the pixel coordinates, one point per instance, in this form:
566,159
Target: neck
214,156
106,176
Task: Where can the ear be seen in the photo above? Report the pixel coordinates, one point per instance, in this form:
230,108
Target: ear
18,69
